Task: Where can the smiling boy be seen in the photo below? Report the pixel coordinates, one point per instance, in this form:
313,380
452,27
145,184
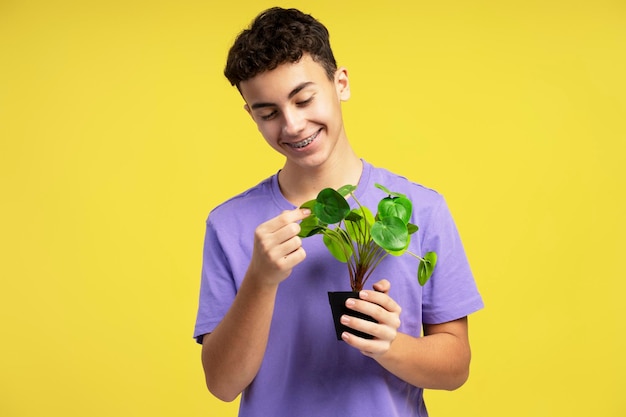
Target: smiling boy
263,319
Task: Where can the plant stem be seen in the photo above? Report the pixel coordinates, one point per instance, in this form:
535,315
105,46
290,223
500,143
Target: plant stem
415,256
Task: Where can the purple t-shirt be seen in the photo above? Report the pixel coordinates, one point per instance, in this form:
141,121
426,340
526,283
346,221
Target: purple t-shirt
306,371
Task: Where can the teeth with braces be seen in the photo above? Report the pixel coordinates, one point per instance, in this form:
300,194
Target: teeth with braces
304,143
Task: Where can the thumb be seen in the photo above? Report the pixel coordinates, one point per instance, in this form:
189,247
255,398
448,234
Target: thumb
382,286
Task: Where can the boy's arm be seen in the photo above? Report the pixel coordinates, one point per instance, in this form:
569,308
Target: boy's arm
439,360
233,352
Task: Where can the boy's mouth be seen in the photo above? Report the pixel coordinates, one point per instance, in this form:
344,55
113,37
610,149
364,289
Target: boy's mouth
305,142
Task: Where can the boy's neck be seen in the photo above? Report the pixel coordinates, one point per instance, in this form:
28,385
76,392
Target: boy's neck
299,185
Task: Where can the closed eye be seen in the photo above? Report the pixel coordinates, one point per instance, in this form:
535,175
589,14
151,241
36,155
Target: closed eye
269,116
305,102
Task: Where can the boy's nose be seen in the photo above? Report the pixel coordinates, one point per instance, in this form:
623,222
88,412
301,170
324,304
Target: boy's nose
293,123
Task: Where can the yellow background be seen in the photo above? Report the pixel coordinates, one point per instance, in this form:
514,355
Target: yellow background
118,134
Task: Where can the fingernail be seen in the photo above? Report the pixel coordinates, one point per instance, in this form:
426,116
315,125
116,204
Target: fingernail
350,302
363,294
345,319
306,212
345,335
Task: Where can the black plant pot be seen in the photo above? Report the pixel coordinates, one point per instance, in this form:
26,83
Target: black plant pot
338,306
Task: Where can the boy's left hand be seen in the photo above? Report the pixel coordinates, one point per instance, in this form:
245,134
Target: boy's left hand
384,310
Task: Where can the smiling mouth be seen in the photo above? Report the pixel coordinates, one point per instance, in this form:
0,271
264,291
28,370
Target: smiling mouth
305,142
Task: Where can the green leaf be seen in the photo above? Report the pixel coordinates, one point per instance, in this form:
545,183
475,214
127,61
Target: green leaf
401,251
354,216
391,193
395,207
390,234
357,222
382,187
337,246
426,267
310,226
412,228
346,189
330,206
308,205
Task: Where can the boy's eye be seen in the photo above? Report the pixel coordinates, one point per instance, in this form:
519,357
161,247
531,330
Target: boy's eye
305,102
268,116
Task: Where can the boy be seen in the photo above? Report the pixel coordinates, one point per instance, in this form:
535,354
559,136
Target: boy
264,320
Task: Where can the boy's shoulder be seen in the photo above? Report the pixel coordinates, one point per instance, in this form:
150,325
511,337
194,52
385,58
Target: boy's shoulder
260,191
401,184
253,204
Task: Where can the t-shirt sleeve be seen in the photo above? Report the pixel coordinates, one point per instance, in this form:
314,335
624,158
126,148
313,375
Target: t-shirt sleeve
451,292
217,286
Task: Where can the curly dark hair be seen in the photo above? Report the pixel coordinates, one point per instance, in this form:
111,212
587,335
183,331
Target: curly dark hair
275,37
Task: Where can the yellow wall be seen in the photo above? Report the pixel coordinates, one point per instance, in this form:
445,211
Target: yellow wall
118,134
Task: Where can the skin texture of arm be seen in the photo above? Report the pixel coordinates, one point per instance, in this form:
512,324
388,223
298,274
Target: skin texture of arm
233,352
439,360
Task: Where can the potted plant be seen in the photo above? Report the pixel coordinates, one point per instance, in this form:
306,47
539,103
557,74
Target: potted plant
361,239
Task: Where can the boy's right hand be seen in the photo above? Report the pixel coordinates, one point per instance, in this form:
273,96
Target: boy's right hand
277,247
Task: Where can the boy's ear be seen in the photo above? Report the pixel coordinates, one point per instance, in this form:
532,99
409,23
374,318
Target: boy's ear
247,109
342,84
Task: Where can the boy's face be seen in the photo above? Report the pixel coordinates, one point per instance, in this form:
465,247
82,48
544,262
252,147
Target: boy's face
297,109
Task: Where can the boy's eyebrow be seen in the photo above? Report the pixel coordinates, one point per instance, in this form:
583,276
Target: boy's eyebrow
293,92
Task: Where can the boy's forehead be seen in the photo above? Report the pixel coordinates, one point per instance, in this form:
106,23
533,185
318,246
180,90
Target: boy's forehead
284,79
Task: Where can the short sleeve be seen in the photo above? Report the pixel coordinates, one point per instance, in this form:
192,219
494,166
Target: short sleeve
451,292
217,286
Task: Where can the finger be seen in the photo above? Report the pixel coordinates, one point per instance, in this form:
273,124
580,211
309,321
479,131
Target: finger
381,299
288,247
280,230
382,286
287,238
285,218
277,244
368,347
378,331
379,313
294,258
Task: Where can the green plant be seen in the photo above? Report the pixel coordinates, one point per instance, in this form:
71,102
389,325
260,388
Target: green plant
361,239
